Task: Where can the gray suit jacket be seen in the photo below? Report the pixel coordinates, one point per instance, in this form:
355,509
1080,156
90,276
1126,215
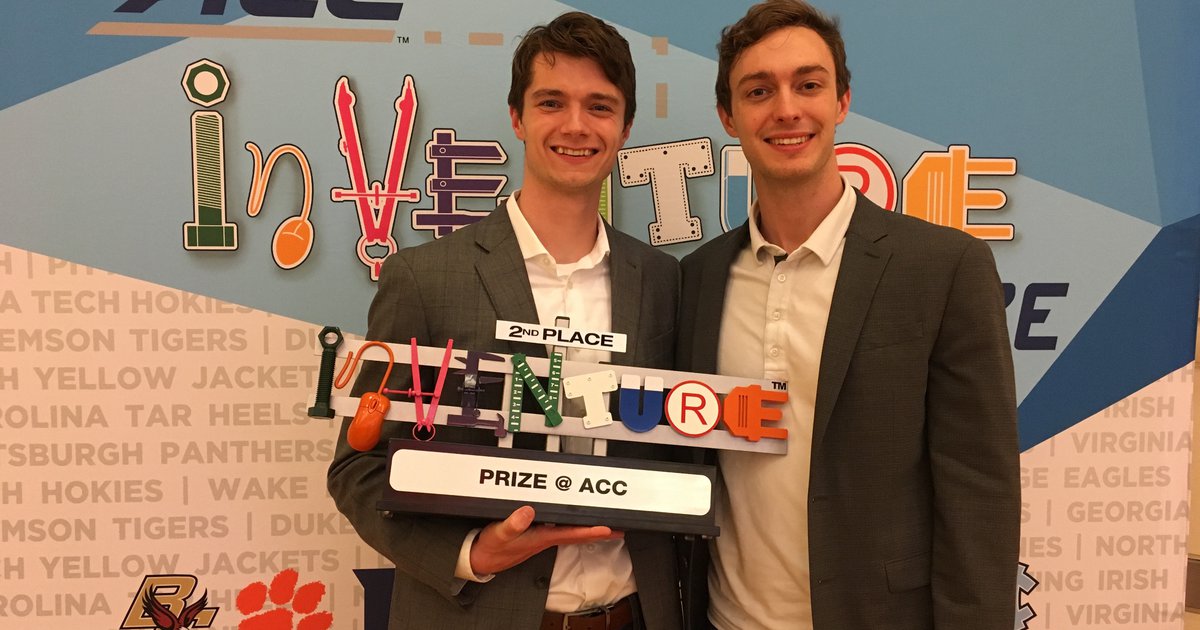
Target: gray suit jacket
457,287
914,496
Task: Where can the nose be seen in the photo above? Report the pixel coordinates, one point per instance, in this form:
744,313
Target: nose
787,106
574,121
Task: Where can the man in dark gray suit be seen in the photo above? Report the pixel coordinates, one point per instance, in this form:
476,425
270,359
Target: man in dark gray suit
543,254
897,506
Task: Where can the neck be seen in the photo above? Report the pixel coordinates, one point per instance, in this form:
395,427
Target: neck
790,211
564,221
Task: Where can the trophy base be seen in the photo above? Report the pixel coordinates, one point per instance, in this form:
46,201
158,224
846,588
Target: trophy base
490,482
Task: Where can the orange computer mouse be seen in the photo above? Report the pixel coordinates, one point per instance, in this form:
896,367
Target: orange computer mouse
367,424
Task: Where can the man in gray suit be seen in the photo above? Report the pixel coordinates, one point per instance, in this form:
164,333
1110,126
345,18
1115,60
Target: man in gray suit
897,506
543,254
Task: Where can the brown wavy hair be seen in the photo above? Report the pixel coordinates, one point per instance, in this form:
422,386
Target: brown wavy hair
575,34
765,18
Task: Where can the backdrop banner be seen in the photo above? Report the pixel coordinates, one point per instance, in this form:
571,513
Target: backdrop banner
193,188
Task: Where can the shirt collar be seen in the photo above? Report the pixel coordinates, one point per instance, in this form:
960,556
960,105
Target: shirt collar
823,242
532,248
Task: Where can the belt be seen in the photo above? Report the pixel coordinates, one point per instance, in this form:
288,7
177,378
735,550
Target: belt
612,617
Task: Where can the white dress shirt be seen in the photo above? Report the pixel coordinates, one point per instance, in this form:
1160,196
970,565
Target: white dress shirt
598,573
773,327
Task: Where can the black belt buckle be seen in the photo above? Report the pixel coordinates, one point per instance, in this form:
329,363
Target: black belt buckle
587,614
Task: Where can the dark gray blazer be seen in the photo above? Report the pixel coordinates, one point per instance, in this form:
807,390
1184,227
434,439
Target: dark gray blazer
914,493
457,287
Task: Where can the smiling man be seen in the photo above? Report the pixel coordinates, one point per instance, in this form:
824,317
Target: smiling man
544,253
897,506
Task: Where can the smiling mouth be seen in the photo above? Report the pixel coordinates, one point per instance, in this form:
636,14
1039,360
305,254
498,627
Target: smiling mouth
575,152
789,141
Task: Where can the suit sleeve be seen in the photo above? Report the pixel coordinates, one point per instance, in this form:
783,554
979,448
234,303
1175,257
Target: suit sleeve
422,546
974,456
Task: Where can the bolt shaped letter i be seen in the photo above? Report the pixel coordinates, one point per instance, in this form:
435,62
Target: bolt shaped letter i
206,84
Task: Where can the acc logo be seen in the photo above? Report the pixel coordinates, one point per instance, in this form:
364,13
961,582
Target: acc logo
162,603
345,9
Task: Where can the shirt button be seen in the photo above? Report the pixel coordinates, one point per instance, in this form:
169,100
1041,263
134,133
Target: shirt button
591,548
775,351
775,315
781,277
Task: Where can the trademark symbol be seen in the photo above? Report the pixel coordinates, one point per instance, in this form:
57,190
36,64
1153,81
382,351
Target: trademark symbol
402,39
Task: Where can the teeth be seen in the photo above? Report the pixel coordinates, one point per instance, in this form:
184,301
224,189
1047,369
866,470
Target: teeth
574,152
800,140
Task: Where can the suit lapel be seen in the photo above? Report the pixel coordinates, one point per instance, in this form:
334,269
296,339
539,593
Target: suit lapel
863,262
502,273
714,276
625,274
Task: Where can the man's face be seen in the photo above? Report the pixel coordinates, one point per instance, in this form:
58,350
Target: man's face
573,124
785,107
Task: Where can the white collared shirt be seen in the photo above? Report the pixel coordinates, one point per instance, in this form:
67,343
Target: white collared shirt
773,327
599,573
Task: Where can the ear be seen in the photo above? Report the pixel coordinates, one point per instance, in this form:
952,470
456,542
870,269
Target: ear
843,106
625,134
727,121
517,126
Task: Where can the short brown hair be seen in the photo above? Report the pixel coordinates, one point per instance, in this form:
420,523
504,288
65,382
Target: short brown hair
763,19
575,34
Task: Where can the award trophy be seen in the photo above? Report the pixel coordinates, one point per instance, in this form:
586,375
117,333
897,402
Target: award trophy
654,406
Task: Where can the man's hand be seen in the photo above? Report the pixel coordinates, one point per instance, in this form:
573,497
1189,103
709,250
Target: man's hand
505,544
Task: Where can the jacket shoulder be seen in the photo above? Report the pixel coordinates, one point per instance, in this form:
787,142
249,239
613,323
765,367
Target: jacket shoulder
715,247
439,252
915,239
640,250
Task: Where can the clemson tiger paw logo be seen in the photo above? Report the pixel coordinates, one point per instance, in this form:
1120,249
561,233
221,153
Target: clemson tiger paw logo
282,606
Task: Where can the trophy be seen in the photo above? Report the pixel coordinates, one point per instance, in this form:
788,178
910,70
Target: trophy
653,406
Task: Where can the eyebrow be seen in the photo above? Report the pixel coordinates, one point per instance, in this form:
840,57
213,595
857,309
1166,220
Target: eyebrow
595,96
800,71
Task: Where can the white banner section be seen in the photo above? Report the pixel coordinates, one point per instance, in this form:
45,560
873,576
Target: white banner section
537,481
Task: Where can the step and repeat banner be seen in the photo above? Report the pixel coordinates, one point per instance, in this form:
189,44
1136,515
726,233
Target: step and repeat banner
193,188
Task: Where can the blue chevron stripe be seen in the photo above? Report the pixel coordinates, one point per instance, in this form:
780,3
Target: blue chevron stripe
1143,330
45,44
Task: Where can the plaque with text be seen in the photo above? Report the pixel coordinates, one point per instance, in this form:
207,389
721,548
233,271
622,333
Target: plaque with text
490,482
